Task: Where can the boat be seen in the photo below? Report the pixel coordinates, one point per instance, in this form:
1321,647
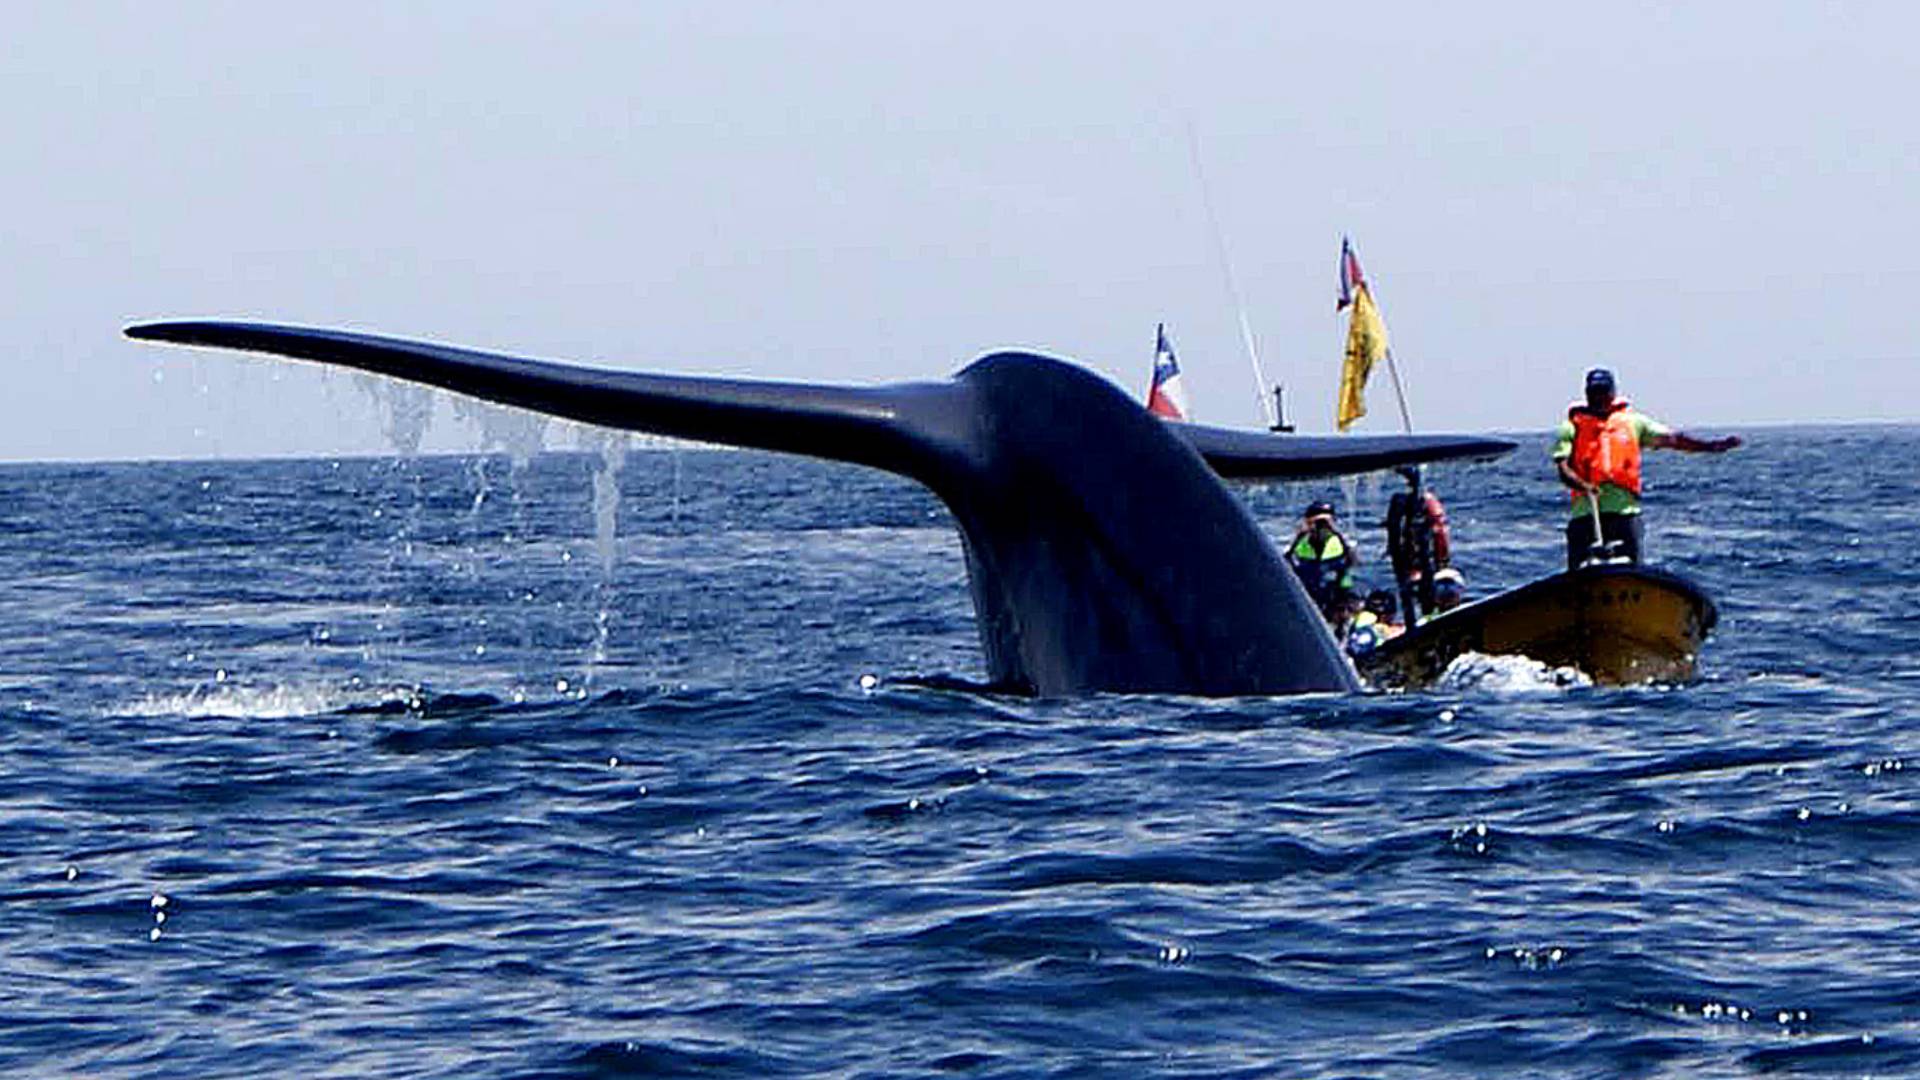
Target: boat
1619,624
1615,621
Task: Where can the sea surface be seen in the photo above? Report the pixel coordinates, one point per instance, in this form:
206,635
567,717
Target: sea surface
450,766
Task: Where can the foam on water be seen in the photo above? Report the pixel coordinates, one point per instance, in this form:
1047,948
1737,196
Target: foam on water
271,702
1507,675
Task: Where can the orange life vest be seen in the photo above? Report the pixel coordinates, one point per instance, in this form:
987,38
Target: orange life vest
1606,449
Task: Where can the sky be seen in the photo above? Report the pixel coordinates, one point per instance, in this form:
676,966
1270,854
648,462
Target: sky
1717,200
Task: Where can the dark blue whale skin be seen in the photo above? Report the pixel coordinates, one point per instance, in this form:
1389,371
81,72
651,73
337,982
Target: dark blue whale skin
1103,551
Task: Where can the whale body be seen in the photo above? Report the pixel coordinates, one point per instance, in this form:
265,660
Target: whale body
1104,552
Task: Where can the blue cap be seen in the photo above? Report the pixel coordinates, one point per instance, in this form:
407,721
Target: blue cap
1600,378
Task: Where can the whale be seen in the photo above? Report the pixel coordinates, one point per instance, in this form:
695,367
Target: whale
1105,552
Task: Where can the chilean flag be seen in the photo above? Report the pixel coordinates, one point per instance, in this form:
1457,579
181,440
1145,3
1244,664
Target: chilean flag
1166,397
1351,278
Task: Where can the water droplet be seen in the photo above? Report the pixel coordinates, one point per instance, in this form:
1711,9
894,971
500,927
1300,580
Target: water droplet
479,650
868,682
159,901
159,917
72,872
1666,826
1446,715
613,763
1804,814
153,934
560,685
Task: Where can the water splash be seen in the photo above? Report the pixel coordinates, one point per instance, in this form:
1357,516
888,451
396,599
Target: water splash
406,410
517,432
1507,675
611,448
276,702
521,434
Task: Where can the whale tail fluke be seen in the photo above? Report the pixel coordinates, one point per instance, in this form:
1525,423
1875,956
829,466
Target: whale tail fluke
1103,552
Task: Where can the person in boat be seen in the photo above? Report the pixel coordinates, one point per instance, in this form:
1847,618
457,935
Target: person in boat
1374,625
1597,454
1385,612
1323,559
1418,542
1449,592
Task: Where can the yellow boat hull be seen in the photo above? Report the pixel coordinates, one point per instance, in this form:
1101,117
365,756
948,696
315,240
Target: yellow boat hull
1620,625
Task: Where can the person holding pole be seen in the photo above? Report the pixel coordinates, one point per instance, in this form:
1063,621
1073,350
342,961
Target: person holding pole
1597,455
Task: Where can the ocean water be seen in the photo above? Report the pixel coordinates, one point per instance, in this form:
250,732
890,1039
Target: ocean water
446,767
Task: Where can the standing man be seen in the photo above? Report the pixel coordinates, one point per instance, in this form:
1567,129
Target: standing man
1597,454
1418,543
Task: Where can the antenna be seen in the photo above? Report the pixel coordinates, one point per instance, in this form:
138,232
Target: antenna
1280,425
1226,272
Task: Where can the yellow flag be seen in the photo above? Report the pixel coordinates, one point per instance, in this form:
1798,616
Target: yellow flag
1366,346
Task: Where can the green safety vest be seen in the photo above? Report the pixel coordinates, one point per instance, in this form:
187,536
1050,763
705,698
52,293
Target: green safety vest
1321,571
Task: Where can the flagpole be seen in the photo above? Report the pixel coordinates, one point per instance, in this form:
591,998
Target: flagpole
1226,271
1406,418
1399,391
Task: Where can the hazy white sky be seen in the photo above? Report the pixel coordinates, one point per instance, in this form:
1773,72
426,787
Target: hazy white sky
1720,200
